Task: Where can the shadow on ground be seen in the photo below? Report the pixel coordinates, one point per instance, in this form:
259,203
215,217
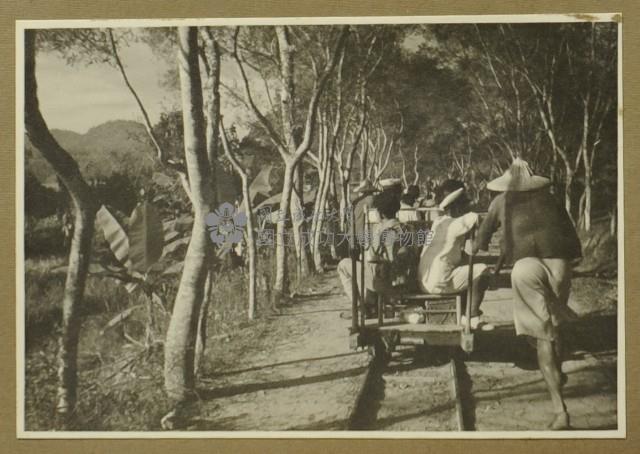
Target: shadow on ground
287,383
588,335
591,333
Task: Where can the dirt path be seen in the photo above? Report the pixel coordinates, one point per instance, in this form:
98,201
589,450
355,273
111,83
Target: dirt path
299,374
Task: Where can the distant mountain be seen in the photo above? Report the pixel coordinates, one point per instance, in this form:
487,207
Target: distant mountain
118,146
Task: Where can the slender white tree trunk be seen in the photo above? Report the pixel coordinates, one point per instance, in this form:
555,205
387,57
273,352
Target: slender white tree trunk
568,183
321,210
213,125
250,232
318,210
79,258
201,338
298,222
85,208
181,334
251,247
281,285
586,210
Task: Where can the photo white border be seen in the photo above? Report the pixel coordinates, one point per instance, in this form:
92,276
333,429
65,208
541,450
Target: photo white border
22,25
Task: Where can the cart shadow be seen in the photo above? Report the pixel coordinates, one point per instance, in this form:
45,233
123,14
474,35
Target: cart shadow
246,388
591,333
273,365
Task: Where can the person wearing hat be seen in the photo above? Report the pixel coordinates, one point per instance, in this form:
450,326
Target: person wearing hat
364,199
392,186
364,196
541,241
408,200
441,268
384,247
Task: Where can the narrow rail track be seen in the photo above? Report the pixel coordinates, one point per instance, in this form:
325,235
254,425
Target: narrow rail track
412,390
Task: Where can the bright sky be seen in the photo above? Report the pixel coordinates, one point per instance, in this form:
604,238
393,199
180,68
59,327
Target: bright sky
78,97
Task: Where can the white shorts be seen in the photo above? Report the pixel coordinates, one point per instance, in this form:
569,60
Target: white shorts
458,280
540,294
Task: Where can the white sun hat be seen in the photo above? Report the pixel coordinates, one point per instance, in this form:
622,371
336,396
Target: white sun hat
365,186
390,182
518,177
450,198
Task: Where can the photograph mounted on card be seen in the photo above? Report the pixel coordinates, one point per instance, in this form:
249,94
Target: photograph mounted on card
320,227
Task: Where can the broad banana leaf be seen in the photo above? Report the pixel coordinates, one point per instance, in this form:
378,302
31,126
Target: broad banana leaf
170,236
169,226
176,268
175,244
122,316
146,237
114,234
260,183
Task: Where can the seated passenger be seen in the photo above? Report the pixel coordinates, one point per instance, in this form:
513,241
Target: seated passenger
364,192
407,211
428,201
441,268
385,263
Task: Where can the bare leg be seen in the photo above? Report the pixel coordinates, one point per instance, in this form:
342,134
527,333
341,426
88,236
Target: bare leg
558,349
548,364
480,286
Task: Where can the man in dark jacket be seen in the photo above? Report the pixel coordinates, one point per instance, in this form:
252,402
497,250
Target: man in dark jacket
381,248
540,240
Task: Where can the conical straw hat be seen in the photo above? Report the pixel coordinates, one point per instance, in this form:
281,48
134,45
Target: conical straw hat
519,177
364,187
450,198
390,182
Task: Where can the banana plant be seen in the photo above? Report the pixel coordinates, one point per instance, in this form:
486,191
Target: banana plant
137,250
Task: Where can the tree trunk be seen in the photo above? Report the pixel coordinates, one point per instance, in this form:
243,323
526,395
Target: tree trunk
315,221
586,211
323,219
281,284
318,211
213,116
85,208
287,110
179,362
79,259
333,190
248,208
181,334
251,247
320,208
363,163
568,182
213,125
300,232
201,337
344,199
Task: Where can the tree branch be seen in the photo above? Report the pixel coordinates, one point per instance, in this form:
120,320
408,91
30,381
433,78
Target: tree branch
319,87
266,124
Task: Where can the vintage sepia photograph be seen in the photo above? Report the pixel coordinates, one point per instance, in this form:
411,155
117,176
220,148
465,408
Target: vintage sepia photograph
381,227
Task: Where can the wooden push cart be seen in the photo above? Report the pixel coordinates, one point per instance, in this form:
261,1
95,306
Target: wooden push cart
407,318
